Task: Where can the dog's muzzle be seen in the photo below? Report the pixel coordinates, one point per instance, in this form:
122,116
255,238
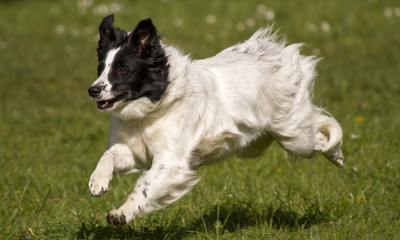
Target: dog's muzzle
94,91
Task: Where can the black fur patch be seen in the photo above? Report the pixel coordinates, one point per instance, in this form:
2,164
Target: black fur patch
140,67
110,38
145,192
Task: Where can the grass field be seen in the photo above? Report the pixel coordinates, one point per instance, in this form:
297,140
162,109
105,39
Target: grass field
51,135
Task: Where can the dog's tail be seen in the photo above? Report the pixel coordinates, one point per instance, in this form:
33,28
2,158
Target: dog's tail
328,139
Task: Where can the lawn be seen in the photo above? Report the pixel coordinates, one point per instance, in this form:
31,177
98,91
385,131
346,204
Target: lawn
52,136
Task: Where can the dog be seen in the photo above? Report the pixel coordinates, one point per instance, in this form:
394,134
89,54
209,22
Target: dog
171,114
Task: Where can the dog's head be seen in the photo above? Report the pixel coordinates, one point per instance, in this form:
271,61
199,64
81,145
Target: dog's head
131,65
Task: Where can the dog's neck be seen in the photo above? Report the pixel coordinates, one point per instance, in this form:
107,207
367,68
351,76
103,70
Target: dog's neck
178,64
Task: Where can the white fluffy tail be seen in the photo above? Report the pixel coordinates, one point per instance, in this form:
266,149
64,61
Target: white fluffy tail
329,139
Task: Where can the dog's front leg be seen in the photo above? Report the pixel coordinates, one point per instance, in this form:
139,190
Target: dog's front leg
162,185
118,158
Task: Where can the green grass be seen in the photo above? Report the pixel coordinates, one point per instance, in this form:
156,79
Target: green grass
51,135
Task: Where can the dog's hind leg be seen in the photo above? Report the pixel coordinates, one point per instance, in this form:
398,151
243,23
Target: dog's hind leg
297,138
315,133
301,145
162,185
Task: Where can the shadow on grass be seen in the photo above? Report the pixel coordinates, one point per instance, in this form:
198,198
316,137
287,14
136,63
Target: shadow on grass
220,219
129,232
242,215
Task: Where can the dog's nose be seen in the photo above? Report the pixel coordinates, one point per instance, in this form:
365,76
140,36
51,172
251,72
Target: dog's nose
94,91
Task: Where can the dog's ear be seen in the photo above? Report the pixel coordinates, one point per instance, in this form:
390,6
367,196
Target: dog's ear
144,37
107,31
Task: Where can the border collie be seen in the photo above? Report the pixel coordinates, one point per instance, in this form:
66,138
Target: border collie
171,114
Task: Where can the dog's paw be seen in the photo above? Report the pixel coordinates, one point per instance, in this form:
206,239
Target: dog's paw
98,184
335,156
115,217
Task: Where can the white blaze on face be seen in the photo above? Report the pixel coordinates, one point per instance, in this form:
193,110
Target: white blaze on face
103,79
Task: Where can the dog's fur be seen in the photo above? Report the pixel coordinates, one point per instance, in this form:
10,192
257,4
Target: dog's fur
171,114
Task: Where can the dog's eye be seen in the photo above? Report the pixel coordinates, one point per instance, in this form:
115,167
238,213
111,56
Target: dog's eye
122,70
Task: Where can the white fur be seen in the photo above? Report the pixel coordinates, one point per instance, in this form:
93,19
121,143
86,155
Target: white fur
103,80
241,99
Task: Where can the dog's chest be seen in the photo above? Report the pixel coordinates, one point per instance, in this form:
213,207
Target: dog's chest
133,136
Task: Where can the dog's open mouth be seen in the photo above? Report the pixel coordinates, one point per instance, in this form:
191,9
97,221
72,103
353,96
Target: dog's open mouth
110,103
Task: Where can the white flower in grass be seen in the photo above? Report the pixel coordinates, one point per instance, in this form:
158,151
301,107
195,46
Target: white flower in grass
261,9
211,19
270,15
84,3
60,29
388,12
115,8
325,27
354,136
396,12
102,9
250,22
240,27
178,22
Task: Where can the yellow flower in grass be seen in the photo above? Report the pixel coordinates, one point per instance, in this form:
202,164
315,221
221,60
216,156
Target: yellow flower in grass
359,119
278,169
361,199
49,85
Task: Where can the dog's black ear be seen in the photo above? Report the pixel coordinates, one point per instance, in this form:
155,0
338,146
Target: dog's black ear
144,37
107,31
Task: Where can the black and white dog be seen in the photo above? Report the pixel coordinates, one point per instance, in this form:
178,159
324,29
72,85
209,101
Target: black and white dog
171,114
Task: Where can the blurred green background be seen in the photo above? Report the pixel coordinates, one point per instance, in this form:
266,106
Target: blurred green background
51,135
